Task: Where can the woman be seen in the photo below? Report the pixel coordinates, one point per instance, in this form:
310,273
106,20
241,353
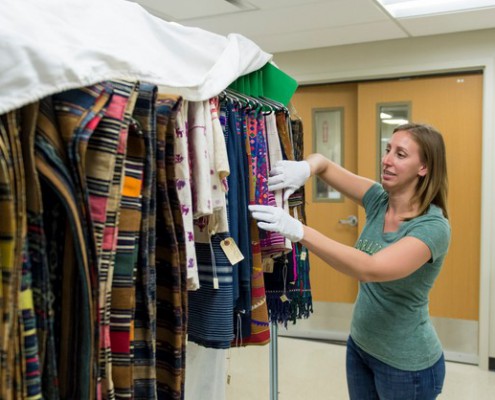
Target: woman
393,351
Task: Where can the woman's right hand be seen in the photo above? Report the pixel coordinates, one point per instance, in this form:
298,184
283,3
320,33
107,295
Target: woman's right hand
288,175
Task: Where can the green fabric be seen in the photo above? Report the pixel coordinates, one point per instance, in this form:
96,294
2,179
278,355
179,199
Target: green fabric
269,82
391,319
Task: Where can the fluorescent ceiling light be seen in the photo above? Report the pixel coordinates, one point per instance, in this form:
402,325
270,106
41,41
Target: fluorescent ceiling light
385,115
397,121
414,8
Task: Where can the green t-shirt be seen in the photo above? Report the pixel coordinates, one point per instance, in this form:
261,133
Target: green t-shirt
391,319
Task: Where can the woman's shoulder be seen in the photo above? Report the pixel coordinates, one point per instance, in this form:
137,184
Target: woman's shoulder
375,196
433,222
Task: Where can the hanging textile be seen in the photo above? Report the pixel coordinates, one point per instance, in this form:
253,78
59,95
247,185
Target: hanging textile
19,347
170,261
232,117
288,286
68,251
143,345
119,203
43,325
122,289
258,188
211,309
184,192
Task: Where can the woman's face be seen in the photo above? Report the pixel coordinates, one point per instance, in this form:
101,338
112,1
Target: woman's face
401,164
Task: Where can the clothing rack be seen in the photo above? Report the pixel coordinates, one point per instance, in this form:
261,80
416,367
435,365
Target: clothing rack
273,361
54,85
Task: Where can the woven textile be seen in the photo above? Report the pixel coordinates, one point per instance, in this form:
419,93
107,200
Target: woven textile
288,289
184,192
122,290
92,146
210,308
260,329
238,214
170,332
29,339
7,264
68,248
100,153
18,340
144,357
36,255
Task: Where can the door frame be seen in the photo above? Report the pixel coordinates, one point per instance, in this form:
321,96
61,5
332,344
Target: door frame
486,339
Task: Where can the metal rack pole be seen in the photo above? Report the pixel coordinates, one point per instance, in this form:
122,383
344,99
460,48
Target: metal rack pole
273,361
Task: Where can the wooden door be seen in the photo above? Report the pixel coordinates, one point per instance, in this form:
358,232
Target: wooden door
327,284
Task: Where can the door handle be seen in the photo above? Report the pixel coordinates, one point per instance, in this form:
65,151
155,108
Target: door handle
351,220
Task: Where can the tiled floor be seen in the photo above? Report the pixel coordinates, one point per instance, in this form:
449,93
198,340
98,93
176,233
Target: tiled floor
315,370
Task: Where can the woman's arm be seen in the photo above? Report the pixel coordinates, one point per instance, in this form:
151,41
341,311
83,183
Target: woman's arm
393,262
342,180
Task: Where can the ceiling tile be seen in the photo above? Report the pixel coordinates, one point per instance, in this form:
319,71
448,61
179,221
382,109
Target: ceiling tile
285,25
179,10
307,17
332,36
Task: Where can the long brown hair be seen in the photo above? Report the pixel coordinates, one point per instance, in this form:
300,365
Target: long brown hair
433,187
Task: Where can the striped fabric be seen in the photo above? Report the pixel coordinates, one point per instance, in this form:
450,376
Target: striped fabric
31,378
170,335
96,146
12,233
260,329
38,245
96,253
123,293
144,357
7,253
67,248
37,257
301,298
115,125
272,243
275,154
210,309
284,133
290,276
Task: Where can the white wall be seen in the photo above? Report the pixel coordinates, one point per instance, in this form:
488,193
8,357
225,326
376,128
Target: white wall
416,56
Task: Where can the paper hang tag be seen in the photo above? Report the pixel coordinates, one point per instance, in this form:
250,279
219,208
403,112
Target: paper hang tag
231,250
284,298
303,256
268,265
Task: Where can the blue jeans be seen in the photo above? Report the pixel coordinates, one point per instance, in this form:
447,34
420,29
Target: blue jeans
370,379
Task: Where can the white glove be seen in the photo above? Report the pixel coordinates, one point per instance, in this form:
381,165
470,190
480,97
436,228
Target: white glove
275,219
288,175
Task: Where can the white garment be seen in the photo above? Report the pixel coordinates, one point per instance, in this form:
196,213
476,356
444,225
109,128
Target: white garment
220,169
53,45
200,160
206,373
183,185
